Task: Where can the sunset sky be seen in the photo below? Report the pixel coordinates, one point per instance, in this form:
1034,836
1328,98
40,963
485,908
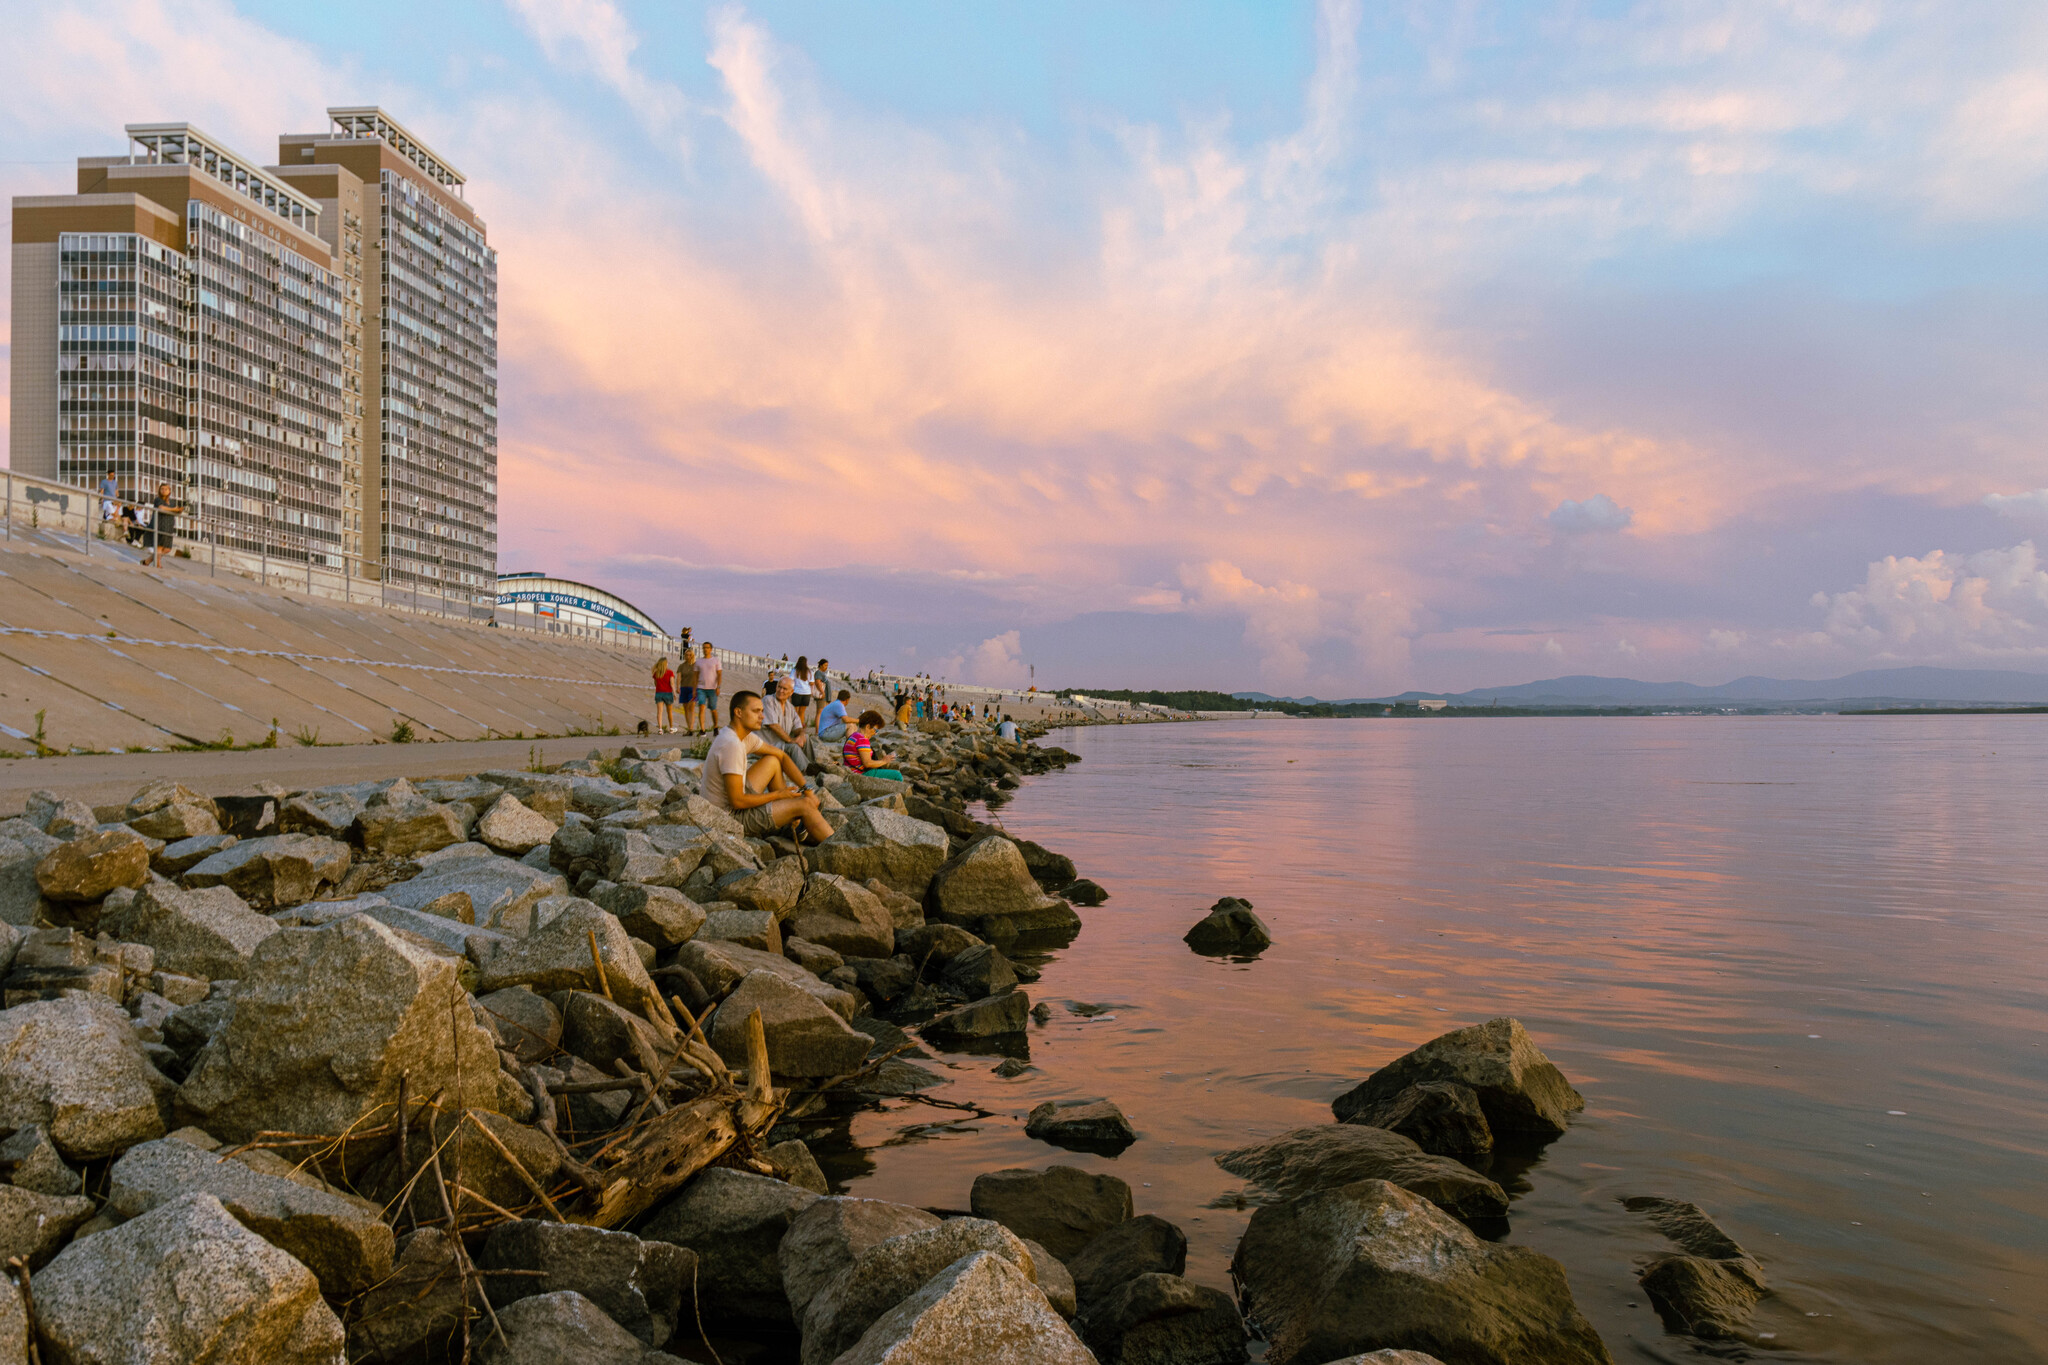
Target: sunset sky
1428,343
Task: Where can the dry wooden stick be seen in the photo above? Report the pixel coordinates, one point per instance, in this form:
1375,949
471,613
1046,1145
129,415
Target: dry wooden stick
760,1086
597,961
544,1119
28,1304
403,1078
518,1169
463,1264
498,1209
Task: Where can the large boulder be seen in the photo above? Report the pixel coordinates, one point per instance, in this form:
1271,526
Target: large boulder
889,1272
398,822
418,1312
869,841
830,1235
640,1285
209,933
978,972
757,929
1230,929
88,867
987,886
22,848
1369,1265
735,1222
511,828
503,896
662,855
325,1023
721,966
35,1226
342,1239
1063,1208
1158,1318
1523,1095
1144,1245
981,1308
73,1065
773,889
548,1329
1333,1154
805,1038
1443,1117
844,916
558,957
184,1282
526,1022
276,870
660,915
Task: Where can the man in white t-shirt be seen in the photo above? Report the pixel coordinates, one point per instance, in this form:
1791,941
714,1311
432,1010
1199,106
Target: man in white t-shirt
1008,730
755,780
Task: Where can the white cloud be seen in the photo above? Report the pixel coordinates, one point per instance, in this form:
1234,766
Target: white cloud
1553,650
1724,639
593,36
1597,513
1970,608
2031,507
997,661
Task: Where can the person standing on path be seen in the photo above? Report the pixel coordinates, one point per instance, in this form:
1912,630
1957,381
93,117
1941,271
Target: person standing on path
709,673
110,493
164,513
800,686
664,697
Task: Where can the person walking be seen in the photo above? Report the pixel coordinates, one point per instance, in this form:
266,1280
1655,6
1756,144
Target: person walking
800,686
110,493
664,697
709,673
164,510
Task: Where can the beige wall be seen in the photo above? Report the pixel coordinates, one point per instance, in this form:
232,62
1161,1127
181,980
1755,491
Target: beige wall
32,429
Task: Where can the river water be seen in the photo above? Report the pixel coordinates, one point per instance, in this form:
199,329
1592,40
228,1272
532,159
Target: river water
1795,964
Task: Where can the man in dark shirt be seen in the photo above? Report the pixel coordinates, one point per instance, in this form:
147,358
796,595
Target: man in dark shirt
166,509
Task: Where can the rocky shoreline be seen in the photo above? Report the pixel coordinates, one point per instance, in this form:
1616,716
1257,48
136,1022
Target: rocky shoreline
519,1064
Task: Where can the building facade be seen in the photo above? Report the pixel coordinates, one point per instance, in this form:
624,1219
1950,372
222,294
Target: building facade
306,351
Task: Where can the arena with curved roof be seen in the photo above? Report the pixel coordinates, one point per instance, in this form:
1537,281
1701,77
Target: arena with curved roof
542,597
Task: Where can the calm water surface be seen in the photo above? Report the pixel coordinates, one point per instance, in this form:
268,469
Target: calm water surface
1796,966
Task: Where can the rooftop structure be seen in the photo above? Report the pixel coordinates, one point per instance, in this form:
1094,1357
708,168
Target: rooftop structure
181,144
576,603
370,121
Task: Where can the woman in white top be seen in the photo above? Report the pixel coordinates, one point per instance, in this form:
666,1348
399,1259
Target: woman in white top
800,685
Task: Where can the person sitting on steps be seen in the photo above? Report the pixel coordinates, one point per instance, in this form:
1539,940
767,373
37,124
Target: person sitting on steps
760,784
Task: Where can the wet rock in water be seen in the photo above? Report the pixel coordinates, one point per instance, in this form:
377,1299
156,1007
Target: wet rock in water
640,1285
36,1226
73,1066
183,1282
794,1163
1062,1207
343,1240
1048,868
934,945
896,850
735,1222
175,859
981,1308
528,1022
548,1329
1712,1290
1369,1265
1333,1154
324,1023
895,1078
840,914
1158,1318
996,1017
1086,1125
1229,930
756,929
1442,1117
1711,1299
88,867
661,915
978,972
1524,1096
30,1161
1010,1067
210,933
417,1313
512,829
889,1272
274,871
1144,1245
1042,1013
830,1235
805,1038
987,884
1083,892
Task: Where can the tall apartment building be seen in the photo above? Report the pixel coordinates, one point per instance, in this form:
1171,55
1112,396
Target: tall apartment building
307,351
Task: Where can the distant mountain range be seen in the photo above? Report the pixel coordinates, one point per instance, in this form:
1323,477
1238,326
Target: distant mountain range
1960,685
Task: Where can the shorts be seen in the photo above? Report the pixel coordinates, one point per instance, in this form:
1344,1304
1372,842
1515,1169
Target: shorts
708,696
756,820
664,699
686,695
799,701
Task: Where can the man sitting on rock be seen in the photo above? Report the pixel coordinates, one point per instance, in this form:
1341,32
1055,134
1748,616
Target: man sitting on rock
755,780
782,722
858,752
833,723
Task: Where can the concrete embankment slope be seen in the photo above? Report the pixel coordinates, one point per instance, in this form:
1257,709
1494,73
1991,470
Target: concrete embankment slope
117,657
